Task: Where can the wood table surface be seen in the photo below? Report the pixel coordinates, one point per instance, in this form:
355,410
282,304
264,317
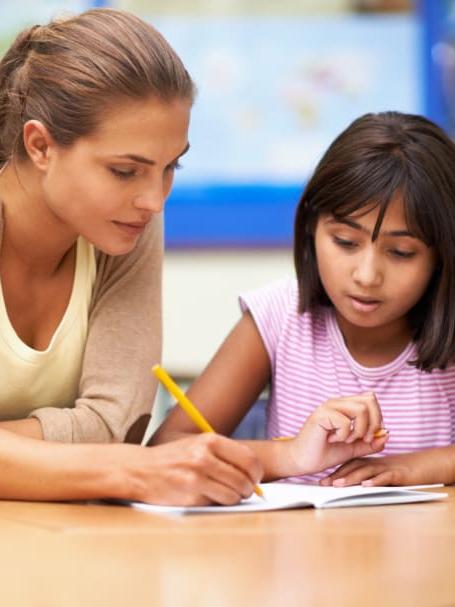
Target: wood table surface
75,554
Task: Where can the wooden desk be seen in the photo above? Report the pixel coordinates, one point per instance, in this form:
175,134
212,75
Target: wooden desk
65,555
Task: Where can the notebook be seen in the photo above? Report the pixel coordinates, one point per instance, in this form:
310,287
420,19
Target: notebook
280,496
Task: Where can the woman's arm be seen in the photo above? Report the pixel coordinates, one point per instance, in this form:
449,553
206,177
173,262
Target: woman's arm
195,471
30,428
124,341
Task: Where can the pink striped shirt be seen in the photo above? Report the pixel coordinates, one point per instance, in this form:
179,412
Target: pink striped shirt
311,363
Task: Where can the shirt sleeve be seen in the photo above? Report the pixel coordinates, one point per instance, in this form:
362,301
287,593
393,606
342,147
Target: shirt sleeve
124,341
269,307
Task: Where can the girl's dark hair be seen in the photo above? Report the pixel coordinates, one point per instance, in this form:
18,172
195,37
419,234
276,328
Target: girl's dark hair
67,73
377,156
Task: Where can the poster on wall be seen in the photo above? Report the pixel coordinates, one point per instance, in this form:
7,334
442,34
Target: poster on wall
273,92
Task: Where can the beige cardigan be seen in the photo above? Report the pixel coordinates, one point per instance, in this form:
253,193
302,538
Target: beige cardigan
124,340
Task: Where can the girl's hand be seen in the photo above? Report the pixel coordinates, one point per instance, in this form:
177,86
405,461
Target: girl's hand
422,467
196,471
337,431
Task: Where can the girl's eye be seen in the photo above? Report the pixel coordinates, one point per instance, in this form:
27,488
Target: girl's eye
402,254
346,244
123,173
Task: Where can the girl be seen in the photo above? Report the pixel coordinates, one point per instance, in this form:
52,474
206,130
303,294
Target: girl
371,315
94,115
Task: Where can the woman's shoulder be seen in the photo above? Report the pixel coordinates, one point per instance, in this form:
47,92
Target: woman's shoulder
142,266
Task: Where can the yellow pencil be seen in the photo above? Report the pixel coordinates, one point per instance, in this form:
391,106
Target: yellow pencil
187,406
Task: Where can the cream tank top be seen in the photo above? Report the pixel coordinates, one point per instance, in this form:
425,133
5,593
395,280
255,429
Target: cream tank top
31,379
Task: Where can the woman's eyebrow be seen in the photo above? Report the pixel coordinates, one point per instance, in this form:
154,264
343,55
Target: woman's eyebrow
144,160
357,226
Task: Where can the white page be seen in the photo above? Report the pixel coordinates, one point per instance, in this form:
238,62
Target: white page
291,495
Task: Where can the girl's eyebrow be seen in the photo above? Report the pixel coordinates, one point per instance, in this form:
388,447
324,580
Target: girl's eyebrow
357,226
144,160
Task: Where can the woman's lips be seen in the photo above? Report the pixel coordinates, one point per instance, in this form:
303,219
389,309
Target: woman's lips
134,229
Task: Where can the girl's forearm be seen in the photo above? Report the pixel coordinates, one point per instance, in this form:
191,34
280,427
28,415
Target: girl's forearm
274,455
276,459
438,465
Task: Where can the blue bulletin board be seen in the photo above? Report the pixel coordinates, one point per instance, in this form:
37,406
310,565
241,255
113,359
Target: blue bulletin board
438,59
273,93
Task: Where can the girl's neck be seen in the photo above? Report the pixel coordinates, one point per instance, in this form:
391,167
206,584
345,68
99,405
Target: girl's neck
32,235
377,346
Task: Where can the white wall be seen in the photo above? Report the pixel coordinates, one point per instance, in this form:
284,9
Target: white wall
200,299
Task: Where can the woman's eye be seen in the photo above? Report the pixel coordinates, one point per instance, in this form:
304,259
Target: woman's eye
342,242
174,166
123,173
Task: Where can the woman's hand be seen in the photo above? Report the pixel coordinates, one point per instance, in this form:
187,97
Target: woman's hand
195,471
420,468
337,431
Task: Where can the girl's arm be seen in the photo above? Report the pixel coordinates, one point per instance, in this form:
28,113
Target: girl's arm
228,387
420,468
337,431
196,471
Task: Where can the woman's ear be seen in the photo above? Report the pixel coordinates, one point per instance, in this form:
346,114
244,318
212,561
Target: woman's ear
38,143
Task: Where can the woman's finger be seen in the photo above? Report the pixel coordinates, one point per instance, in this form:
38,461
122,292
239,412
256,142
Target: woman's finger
238,456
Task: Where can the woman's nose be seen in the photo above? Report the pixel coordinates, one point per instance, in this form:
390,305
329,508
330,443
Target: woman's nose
151,199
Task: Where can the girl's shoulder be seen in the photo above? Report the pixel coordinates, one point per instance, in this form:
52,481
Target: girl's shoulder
280,296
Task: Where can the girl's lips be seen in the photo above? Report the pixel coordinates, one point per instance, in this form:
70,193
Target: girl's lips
364,305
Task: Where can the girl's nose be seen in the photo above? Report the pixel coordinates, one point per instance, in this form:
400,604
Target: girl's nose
367,271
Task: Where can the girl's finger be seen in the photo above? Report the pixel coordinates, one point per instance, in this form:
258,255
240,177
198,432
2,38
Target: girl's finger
361,448
356,477
359,409
348,467
375,417
337,425
384,478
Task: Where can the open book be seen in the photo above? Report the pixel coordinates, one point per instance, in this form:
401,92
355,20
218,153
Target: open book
279,496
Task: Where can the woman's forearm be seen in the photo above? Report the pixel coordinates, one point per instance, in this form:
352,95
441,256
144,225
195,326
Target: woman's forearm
37,470
29,427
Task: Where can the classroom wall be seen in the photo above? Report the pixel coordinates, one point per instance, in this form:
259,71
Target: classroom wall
200,299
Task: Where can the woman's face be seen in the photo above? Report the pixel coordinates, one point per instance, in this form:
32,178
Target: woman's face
107,186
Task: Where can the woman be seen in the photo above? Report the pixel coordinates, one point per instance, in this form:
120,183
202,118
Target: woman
94,115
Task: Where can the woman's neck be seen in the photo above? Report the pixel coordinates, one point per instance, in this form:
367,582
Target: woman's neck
32,235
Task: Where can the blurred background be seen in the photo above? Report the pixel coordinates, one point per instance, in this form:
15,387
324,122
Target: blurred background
277,82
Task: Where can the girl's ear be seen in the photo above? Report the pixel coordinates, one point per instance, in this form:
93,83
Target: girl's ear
38,143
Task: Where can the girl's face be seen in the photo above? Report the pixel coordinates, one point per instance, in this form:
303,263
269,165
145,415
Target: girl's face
108,185
372,284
